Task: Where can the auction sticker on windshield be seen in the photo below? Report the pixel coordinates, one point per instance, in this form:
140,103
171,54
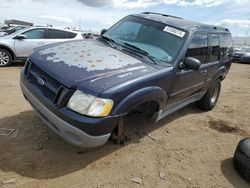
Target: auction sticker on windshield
174,31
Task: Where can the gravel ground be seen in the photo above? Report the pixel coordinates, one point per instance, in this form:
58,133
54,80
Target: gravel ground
189,148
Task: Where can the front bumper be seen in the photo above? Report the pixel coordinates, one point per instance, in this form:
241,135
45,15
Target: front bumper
67,131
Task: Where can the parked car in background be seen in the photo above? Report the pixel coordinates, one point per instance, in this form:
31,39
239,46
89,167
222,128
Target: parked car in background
11,29
19,45
236,49
3,27
149,62
242,55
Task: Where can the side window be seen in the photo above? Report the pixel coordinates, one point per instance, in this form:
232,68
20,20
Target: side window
214,45
56,34
198,47
71,35
226,46
35,34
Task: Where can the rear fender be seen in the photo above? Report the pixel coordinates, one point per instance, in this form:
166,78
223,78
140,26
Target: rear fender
220,74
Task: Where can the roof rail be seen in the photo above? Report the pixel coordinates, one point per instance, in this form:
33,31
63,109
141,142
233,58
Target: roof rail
218,28
161,14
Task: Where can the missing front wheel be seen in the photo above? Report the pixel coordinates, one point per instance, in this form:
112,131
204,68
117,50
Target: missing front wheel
118,135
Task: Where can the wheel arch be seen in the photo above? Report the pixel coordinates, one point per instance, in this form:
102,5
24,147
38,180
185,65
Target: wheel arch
220,74
155,95
9,50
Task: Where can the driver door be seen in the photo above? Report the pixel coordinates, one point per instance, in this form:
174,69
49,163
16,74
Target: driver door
34,39
187,82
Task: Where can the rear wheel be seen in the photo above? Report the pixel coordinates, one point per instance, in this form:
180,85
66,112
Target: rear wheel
5,58
210,99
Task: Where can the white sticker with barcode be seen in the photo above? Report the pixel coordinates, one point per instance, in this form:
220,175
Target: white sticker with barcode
174,31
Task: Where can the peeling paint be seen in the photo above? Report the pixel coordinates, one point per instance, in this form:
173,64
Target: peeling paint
89,55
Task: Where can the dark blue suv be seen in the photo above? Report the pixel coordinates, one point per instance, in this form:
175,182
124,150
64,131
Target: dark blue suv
148,62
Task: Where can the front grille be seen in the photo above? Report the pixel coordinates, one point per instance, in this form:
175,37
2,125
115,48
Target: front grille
54,83
49,86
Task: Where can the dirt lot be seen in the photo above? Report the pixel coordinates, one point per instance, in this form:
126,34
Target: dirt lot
191,148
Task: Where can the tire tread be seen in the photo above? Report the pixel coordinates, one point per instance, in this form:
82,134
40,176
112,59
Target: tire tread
242,163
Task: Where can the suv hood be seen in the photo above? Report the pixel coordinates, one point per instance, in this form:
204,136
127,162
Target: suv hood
88,65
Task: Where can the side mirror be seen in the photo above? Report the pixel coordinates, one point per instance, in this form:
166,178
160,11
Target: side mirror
20,37
103,31
192,63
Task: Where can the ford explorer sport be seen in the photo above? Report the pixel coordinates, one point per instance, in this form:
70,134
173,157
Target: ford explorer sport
148,62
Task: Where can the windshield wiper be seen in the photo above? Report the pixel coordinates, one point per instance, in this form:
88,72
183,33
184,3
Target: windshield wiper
110,40
141,51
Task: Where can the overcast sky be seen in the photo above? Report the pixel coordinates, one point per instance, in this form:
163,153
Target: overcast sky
98,14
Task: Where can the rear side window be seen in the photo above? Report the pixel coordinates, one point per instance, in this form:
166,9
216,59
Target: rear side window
56,34
214,44
35,34
198,47
71,35
226,45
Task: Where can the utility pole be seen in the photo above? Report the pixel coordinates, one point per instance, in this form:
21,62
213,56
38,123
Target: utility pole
89,28
245,41
80,29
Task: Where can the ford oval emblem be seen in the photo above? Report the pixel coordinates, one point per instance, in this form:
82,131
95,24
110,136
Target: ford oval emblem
40,81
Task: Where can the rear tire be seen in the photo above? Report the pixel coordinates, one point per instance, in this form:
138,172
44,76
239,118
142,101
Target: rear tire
5,58
210,99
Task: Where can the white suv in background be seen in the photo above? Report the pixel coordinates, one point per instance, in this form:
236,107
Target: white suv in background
19,45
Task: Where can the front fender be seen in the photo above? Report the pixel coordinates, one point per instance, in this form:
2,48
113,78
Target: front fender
7,47
138,97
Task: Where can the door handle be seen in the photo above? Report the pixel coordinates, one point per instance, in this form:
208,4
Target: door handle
203,72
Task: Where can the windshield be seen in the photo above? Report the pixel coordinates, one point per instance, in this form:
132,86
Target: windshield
158,40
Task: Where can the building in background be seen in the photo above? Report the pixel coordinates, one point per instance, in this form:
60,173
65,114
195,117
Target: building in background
17,22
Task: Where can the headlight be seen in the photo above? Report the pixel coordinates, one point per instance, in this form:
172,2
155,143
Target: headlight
89,105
